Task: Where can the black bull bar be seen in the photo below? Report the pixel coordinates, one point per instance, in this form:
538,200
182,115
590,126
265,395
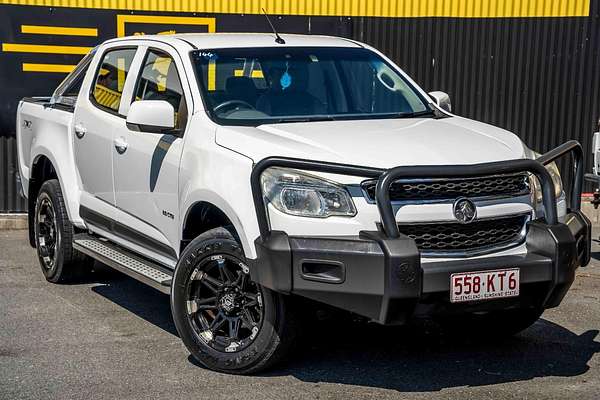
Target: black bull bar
564,243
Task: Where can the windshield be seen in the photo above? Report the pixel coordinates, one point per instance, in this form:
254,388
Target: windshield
252,86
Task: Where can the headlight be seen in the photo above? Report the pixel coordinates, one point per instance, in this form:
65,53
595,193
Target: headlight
297,193
554,174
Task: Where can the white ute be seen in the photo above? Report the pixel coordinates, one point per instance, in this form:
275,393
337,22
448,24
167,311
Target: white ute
237,173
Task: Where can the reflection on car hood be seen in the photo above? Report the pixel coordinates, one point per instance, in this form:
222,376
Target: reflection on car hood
383,143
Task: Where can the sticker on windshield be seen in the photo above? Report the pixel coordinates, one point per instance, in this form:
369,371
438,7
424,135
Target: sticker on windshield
209,55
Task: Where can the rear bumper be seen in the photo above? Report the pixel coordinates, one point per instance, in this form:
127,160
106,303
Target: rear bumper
383,279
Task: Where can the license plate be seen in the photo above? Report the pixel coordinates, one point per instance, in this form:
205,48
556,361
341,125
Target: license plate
484,285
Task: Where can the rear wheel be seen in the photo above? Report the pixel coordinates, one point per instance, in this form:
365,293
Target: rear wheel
54,236
228,323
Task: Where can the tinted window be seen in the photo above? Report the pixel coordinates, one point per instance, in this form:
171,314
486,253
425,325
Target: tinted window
159,80
110,78
266,85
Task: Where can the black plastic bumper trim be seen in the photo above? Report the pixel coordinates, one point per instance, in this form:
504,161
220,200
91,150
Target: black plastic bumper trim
385,280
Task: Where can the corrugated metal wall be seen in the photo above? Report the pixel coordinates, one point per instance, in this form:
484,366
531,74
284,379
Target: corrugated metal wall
10,200
537,77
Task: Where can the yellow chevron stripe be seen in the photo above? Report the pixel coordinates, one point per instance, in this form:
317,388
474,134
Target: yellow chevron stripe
257,73
42,48
58,30
368,8
162,19
34,67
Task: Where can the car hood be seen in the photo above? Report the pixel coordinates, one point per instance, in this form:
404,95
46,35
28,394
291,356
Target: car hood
376,143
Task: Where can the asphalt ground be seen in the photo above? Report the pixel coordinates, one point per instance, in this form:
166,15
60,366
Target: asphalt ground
113,338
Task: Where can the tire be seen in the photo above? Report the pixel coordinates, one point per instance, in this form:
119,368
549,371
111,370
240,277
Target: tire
60,263
259,327
492,325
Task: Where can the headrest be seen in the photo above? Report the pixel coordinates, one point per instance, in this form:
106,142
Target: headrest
237,84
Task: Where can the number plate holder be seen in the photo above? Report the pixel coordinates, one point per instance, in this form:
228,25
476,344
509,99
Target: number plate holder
484,285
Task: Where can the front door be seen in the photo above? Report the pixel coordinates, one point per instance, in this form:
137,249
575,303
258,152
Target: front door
146,169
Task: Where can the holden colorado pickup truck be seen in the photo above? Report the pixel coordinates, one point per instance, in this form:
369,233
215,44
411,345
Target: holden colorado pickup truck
248,174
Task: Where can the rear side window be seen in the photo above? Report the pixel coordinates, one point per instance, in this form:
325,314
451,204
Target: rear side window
159,80
110,78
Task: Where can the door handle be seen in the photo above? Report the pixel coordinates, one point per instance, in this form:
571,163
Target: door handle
120,145
80,131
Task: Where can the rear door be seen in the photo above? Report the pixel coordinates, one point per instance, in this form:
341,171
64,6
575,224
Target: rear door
146,173
97,115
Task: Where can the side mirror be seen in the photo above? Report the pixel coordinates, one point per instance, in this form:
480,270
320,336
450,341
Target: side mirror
154,116
442,100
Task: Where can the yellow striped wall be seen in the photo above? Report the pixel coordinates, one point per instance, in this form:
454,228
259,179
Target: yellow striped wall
355,8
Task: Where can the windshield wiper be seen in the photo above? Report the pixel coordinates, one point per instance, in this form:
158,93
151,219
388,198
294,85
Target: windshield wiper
433,113
304,119
418,114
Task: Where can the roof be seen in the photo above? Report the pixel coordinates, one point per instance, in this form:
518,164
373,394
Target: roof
231,40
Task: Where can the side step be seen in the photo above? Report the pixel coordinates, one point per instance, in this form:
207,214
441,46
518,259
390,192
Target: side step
124,261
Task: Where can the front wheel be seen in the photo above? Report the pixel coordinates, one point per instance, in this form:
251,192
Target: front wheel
226,321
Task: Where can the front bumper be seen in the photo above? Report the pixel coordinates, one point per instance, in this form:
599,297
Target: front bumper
379,274
384,280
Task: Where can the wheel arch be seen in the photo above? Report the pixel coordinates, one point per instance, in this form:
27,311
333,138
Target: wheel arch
202,216
55,147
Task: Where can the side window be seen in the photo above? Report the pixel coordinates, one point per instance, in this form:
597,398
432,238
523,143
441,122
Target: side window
159,80
110,78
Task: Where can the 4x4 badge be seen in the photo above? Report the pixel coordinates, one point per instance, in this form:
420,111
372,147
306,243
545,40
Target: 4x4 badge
464,210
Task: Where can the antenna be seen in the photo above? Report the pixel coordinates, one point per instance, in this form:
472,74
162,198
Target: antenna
278,39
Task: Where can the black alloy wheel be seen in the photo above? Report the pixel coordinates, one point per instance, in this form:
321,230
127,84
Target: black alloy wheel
47,232
224,306
228,322
53,234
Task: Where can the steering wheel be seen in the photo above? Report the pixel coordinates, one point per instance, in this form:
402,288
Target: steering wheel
229,103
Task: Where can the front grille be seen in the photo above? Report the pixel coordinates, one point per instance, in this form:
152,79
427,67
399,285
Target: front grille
472,237
452,188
